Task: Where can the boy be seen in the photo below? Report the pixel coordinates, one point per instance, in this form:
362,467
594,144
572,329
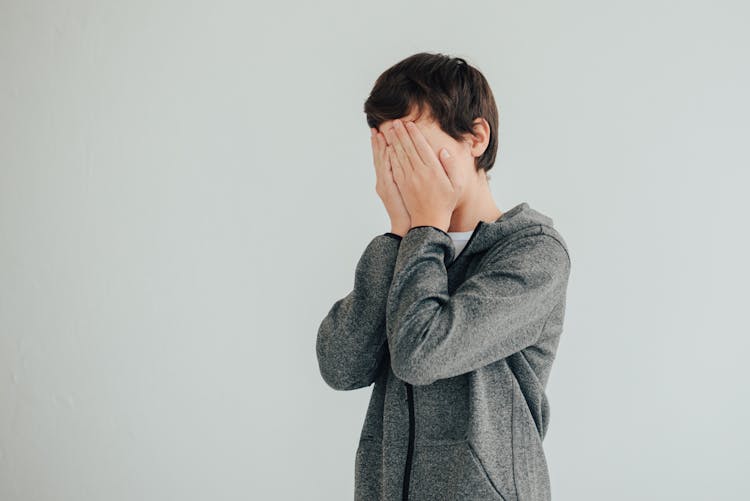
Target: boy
457,335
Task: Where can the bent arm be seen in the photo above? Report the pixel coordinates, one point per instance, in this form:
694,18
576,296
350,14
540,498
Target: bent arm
351,340
499,310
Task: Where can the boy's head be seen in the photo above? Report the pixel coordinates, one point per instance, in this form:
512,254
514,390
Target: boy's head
449,100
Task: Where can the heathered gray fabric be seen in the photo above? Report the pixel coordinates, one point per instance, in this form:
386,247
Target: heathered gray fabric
471,341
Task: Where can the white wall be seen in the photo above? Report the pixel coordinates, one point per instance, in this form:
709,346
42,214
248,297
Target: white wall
185,190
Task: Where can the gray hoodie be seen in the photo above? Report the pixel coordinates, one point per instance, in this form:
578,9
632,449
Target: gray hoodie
459,351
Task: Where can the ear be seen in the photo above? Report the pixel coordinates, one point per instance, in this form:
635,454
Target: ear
480,137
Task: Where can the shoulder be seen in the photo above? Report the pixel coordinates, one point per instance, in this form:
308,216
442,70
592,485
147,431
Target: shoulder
535,246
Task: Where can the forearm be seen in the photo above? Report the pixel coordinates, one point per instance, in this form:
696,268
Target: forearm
351,338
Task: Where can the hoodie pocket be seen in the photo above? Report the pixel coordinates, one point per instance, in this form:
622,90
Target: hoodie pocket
529,463
481,468
368,470
450,471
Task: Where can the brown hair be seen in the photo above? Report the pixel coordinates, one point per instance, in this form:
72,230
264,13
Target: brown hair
451,91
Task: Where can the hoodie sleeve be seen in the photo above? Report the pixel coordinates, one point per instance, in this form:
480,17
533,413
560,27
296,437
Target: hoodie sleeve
351,341
496,312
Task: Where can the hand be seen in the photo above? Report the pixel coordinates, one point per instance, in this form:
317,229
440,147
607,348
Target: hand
430,187
386,187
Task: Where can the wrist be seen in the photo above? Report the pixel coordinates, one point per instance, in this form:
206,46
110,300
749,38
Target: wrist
437,223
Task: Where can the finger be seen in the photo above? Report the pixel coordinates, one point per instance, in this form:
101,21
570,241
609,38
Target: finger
377,152
387,167
389,136
382,145
421,145
398,172
405,140
399,147
381,142
397,151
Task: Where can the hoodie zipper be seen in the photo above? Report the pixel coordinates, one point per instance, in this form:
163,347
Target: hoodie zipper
410,392
410,452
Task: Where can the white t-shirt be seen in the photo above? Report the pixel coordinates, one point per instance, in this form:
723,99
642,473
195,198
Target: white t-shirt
459,240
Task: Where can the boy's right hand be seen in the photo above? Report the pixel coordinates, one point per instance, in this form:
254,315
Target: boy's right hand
386,187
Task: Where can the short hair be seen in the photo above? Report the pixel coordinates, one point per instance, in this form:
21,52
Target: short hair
448,89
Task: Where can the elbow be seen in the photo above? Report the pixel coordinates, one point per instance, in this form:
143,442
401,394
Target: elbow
339,383
411,362
336,371
410,370
330,368
342,380
334,376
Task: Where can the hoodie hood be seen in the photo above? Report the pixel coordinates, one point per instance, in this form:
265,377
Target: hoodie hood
520,217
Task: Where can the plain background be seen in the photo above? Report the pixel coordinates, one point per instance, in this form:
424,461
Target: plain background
185,189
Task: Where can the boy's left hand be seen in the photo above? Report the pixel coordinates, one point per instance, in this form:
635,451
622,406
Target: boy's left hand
430,186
